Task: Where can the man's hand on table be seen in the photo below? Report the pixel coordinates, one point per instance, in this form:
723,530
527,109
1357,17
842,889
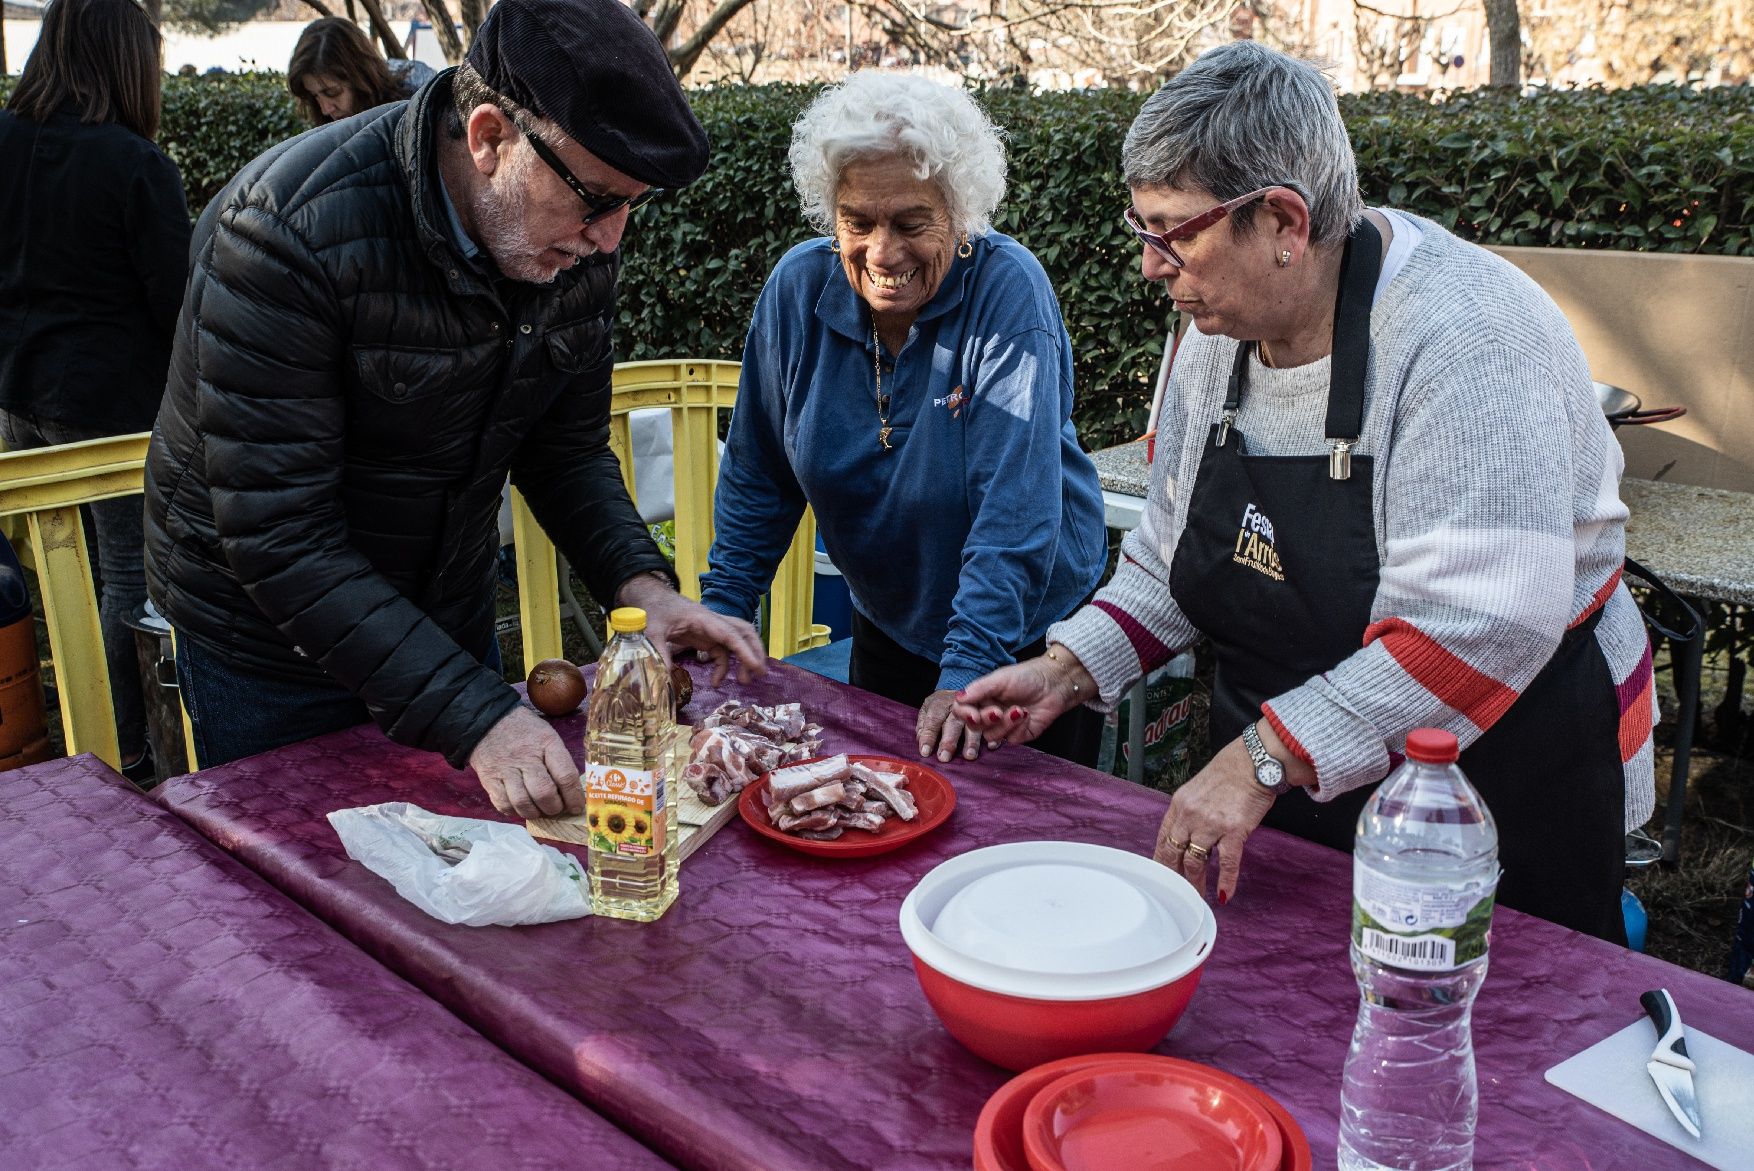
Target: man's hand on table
673,621
941,731
525,768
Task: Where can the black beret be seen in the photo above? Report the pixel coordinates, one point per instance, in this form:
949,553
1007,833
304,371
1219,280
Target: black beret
600,74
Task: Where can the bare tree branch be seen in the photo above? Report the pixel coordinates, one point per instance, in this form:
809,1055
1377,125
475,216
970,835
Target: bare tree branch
683,57
445,29
382,27
1505,34
474,12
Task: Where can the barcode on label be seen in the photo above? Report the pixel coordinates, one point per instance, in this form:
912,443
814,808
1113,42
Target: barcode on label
1420,952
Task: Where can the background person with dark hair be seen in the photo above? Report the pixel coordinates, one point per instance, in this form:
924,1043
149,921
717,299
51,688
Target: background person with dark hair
94,241
336,73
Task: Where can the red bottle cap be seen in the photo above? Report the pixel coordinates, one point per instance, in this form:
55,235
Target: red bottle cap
1432,746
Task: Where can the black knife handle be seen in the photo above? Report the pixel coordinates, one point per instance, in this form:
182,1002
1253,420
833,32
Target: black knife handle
1660,1007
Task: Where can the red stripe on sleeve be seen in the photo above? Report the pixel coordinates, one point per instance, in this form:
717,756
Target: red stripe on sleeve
1478,696
1297,750
1151,651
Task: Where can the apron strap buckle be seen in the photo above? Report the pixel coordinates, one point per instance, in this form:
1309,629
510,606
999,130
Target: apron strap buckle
1340,458
1224,422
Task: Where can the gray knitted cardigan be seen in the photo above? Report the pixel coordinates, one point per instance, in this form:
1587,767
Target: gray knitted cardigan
1497,512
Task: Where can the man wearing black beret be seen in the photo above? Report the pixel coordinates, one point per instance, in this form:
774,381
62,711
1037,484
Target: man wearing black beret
385,316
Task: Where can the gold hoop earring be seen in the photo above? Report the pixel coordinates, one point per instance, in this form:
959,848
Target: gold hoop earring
1285,259
965,249
834,245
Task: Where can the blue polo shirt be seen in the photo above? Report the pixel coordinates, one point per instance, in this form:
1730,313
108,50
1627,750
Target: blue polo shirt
982,526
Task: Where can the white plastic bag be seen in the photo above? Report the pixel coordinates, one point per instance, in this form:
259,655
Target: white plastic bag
490,874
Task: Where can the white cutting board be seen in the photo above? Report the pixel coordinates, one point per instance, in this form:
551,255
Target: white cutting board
1610,1075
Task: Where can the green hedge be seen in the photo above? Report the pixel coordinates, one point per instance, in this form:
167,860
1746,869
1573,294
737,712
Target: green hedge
1655,169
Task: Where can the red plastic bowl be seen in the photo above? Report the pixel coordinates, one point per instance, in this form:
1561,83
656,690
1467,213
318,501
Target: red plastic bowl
998,1134
1017,1032
1146,1115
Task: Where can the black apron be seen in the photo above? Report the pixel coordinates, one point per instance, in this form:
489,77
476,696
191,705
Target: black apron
1278,567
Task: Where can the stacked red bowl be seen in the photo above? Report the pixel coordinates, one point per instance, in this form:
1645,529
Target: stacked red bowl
1143,1113
1034,951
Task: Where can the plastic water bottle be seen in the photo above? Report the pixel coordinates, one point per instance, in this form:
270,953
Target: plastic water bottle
1424,872
630,748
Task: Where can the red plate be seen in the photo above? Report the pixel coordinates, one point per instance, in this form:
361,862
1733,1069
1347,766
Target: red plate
998,1134
931,792
1148,1116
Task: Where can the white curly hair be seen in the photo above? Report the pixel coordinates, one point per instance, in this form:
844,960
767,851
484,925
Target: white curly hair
937,128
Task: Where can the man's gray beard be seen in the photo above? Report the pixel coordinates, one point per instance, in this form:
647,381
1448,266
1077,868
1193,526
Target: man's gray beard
503,234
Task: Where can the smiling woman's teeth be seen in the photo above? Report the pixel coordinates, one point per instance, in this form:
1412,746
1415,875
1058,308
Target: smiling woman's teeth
891,282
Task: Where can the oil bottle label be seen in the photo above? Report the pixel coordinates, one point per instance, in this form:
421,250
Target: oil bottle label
620,804
1422,926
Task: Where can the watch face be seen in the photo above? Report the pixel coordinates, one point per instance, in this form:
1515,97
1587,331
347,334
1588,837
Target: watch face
1270,773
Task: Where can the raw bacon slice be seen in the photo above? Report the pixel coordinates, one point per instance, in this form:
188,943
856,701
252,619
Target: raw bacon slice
789,782
887,787
831,794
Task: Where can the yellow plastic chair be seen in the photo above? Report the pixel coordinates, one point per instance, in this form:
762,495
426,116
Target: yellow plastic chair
695,393
45,487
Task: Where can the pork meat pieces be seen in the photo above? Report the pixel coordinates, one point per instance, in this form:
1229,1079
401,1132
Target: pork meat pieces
740,741
823,799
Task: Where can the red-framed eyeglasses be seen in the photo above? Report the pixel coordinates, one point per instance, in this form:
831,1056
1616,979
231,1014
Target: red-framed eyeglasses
1164,242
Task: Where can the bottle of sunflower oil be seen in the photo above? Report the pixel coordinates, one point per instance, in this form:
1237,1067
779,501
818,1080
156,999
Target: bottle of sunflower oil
630,740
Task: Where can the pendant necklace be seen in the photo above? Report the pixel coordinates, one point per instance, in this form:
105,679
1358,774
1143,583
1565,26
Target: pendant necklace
883,427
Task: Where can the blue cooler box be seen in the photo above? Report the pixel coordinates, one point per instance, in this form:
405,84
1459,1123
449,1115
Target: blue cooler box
833,604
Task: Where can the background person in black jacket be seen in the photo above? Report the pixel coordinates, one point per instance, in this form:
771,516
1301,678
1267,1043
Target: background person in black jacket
94,243
384,315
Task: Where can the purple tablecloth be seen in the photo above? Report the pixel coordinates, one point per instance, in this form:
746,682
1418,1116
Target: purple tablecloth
163,1007
771,1020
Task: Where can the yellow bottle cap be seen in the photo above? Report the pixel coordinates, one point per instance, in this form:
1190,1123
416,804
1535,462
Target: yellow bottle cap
627,619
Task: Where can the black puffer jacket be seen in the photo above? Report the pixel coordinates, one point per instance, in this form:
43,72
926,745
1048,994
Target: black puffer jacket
345,398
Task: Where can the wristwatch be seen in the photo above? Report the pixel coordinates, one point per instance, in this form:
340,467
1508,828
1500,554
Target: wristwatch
1269,772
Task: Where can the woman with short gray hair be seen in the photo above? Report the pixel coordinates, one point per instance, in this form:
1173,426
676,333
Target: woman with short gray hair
1384,490
909,378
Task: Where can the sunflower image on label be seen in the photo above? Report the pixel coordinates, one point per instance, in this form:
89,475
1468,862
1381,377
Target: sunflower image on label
620,804
1422,926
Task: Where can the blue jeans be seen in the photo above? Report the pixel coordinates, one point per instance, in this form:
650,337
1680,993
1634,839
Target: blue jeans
119,530
235,712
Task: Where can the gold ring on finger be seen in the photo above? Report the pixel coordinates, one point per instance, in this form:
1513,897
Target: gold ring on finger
1178,847
1198,853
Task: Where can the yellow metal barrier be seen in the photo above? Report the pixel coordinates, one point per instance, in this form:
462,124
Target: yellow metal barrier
46,486
695,393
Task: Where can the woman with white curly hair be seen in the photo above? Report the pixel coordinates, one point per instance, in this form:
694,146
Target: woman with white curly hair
910,379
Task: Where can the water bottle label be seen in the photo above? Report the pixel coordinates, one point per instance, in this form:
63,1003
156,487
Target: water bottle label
1422,926
620,808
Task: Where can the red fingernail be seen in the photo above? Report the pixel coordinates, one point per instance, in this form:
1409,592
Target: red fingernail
1017,713
1223,898
962,695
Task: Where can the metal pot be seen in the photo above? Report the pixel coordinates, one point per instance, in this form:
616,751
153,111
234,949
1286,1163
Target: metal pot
1621,407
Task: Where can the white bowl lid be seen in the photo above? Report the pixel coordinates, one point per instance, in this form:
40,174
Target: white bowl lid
1182,941
1057,917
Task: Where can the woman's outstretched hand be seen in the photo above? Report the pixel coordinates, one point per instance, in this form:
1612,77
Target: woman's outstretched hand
1016,704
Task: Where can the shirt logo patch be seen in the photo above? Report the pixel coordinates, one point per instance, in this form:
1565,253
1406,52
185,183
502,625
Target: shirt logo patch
953,402
1254,544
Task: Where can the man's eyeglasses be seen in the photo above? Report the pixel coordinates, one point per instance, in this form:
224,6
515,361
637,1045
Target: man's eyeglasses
598,207
1164,242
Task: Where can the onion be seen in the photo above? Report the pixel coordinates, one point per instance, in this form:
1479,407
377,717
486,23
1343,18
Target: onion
556,687
681,687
